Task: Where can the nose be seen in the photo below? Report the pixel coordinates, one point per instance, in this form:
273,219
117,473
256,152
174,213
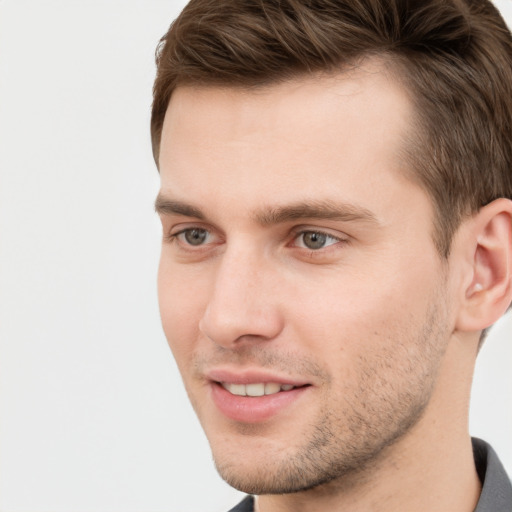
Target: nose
243,305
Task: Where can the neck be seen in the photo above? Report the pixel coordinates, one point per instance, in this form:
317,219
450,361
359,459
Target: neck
430,469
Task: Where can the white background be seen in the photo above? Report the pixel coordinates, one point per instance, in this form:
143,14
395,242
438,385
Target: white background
93,416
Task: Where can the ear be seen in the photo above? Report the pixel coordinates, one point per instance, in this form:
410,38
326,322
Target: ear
489,292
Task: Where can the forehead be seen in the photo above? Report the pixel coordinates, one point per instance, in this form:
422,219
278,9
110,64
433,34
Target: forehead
340,135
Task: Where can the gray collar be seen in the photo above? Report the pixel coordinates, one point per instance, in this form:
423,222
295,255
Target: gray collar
496,493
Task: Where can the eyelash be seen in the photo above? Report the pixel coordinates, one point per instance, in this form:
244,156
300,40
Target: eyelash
322,234
174,238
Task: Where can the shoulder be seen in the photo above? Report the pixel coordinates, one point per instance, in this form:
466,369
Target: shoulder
496,493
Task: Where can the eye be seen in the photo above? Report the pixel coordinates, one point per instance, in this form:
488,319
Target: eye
315,240
193,236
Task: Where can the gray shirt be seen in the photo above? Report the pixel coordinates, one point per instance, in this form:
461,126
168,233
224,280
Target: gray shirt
496,493
496,487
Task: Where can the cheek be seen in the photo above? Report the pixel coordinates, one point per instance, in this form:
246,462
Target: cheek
181,308
359,314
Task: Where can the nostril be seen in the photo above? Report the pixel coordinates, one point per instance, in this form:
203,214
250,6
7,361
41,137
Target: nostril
230,330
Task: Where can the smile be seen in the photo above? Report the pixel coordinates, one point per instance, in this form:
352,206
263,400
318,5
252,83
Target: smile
254,402
256,389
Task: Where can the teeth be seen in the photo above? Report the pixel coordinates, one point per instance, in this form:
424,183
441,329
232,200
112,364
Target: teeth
256,389
237,389
272,388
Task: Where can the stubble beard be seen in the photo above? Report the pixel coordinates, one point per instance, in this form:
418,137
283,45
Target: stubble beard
349,439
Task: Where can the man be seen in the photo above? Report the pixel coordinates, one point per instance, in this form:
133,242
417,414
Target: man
336,202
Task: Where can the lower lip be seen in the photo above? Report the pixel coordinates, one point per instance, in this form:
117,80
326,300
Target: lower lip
253,409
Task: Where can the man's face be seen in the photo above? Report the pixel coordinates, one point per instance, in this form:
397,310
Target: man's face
298,266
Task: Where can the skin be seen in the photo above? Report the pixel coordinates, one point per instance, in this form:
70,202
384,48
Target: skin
370,320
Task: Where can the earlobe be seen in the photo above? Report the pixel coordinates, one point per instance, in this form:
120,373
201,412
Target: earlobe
489,293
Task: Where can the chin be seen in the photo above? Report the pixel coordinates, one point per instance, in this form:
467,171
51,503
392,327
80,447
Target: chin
283,475
263,479
258,461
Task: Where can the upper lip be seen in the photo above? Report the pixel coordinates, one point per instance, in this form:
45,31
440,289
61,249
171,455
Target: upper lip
252,376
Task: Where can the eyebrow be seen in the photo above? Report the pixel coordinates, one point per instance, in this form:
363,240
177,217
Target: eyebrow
322,210
331,210
164,206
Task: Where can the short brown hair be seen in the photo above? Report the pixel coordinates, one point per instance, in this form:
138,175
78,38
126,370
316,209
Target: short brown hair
455,56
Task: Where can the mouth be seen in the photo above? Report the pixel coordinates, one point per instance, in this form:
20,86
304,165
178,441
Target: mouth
257,389
254,397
